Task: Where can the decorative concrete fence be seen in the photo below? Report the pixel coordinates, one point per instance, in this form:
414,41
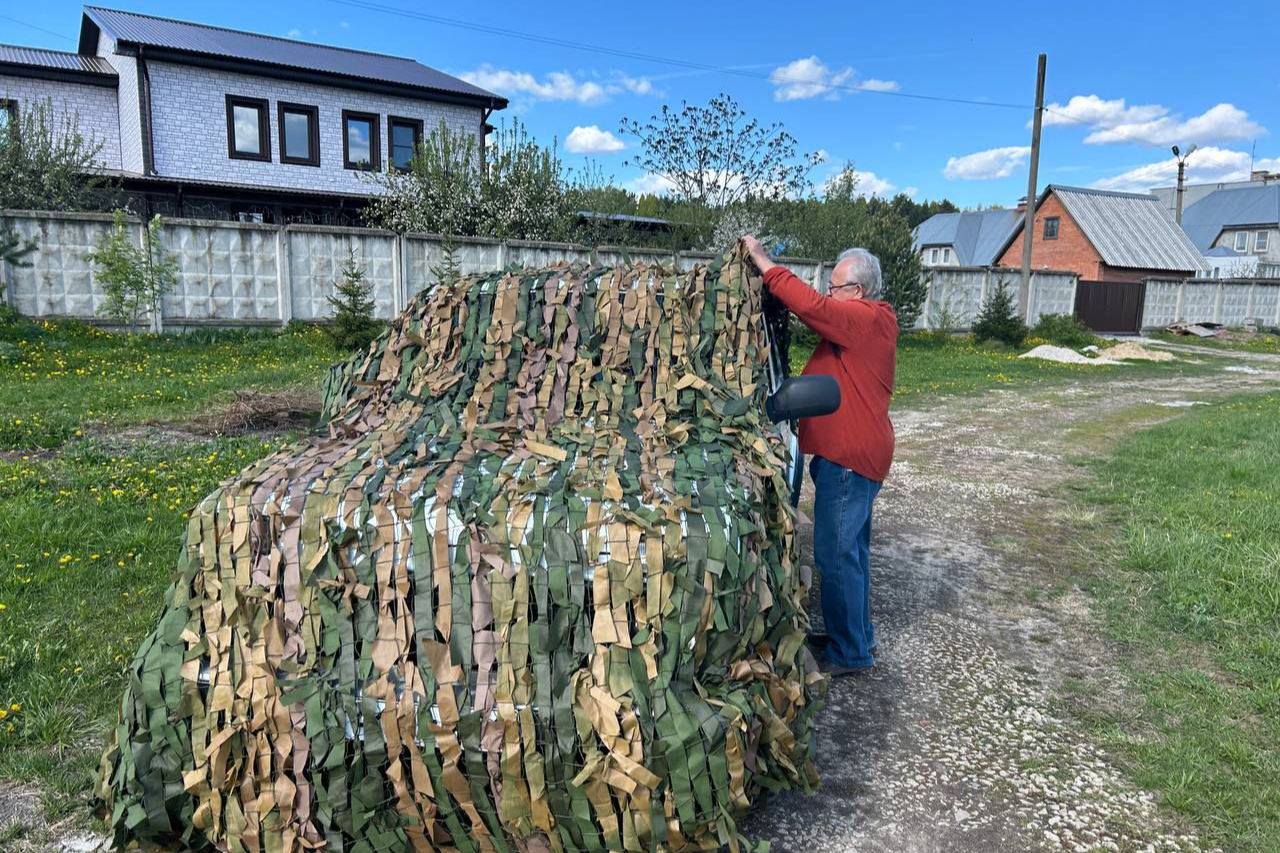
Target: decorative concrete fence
956,294
249,274
1231,302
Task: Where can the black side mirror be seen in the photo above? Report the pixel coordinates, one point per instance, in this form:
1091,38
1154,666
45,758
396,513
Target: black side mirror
803,397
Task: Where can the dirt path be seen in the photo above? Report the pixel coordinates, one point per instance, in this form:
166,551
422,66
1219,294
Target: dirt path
957,741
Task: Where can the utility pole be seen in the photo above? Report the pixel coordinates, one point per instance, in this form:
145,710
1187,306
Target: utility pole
1182,171
1029,218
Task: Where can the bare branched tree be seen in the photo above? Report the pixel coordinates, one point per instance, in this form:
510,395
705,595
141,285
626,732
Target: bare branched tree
716,156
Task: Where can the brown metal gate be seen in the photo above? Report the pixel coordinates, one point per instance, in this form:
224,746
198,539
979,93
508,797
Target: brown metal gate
1110,306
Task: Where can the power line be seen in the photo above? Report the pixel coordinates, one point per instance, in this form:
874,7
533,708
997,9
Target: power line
62,36
662,60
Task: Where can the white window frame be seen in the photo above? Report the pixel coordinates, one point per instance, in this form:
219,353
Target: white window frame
1261,241
1238,236
946,255
933,256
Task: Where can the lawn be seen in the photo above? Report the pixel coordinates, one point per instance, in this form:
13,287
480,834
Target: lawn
1193,594
60,378
91,520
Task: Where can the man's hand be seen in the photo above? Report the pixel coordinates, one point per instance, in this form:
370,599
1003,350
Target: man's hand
757,253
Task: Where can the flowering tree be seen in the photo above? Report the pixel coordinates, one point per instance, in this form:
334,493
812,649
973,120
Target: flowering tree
520,191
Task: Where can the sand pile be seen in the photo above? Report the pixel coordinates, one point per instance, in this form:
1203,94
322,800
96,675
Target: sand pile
1136,352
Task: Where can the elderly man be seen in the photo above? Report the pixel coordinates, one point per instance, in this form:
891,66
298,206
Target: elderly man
852,448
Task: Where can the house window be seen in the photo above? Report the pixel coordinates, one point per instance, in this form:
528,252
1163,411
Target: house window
248,131
1051,228
299,127
946,256
1260,241
1242,241
8,118
361,147
933,256
404,135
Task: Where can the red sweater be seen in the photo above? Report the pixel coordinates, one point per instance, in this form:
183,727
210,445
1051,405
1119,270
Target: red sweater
859,348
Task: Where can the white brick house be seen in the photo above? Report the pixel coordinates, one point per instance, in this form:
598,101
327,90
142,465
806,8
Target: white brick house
202,120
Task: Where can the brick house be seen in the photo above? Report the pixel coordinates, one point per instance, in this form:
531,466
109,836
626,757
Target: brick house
1103,236
199,120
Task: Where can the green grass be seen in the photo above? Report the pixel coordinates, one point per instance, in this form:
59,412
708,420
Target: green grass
1193,593
1263,343
87,544
90,523
56,379
931,365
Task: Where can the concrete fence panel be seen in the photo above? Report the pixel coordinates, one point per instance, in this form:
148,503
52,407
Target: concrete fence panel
1200,302
1161,304
226,272
1235,304
317,255
1051,293
59,282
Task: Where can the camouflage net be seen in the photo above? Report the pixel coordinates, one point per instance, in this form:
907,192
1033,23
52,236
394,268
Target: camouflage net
533,588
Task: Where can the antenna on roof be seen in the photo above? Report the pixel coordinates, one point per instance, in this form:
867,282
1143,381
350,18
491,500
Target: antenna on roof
1253,152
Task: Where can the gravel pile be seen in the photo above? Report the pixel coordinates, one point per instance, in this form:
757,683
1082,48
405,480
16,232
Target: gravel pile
1048,352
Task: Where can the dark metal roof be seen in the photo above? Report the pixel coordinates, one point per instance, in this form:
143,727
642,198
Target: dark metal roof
1205,220
977,237
38,57
131,28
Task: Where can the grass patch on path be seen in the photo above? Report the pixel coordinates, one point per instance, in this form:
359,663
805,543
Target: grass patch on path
60,378
1193,593
1238,341
933,365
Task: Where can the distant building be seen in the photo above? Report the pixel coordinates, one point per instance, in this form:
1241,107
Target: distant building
1103,236
199,120
1238,228
970,239
1192,193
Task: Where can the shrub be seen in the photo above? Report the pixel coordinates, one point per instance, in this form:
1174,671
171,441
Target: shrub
353,326
1064,330
998,321
134,278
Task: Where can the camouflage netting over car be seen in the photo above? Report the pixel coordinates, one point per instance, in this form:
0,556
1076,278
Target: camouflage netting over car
533,587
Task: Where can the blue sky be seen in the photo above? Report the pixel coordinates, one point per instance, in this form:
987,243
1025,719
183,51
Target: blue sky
1139,75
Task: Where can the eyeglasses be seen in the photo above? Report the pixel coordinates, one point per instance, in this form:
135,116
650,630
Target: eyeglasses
843,286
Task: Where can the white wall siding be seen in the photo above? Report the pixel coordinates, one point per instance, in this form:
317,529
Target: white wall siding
189,120
93,107
129,121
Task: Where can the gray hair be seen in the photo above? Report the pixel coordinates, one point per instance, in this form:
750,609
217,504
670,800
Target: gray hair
867,268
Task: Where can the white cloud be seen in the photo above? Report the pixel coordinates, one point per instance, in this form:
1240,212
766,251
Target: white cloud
870,184
985,165
1207,165
344,25
811,77
294,33
649,184
911,192
1151,124
556,85
592,140
871,84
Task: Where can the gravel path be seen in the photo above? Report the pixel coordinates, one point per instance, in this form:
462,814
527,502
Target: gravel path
958,740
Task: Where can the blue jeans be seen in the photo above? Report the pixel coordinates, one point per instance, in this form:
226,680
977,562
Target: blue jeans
842,550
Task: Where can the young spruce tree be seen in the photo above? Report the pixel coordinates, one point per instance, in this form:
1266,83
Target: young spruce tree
998,320
353,326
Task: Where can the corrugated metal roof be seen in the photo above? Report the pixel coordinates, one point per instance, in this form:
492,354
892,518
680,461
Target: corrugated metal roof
976,236
253,47
1204,220
1129,229
40,58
